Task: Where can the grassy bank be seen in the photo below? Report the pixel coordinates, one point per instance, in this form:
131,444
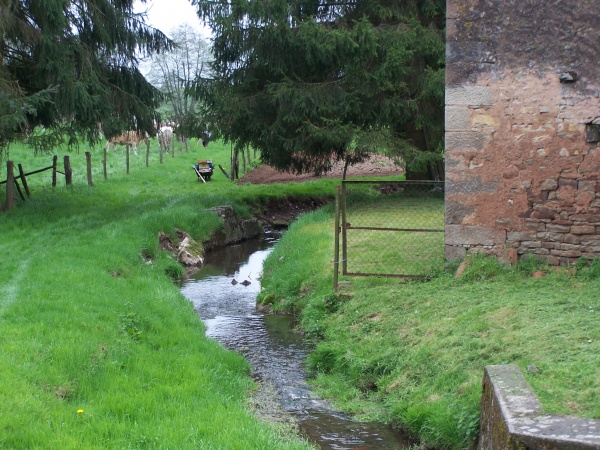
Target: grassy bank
413,353
99,348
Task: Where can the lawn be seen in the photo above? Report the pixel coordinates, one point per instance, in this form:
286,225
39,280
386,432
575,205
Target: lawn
99,348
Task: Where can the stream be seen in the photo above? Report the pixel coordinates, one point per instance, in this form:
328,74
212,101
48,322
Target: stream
276,354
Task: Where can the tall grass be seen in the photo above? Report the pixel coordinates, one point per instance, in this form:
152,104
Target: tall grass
413,353
99,348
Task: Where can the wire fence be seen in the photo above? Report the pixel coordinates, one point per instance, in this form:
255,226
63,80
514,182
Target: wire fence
391,228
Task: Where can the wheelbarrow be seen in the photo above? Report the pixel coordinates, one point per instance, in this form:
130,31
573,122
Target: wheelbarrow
204,168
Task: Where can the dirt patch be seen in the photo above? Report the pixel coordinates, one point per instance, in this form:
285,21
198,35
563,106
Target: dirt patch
375,166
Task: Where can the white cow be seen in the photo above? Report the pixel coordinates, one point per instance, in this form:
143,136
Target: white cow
132,138
165,136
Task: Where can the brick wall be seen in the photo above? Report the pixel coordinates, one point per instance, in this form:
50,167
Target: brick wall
522,128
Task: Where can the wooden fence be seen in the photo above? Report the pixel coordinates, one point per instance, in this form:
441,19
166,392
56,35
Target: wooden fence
17,184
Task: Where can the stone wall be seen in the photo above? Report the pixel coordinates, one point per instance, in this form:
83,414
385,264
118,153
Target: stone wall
522,128
512,417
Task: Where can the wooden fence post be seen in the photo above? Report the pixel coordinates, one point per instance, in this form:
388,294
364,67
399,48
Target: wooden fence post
104,164
68,171
88,161
54,162
147,154
161,153
22,176
18,188
127,157
10,185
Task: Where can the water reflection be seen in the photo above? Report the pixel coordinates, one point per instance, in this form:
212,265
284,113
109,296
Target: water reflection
224,294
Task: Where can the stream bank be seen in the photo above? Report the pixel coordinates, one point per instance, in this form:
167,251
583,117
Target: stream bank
224,294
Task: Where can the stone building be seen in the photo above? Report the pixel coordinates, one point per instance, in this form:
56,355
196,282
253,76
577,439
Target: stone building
522,128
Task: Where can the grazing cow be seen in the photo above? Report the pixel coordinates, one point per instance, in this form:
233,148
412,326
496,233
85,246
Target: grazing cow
132,138
165,135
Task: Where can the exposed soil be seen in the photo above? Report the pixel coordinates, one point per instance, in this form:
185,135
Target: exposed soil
281,212
376,165
277,213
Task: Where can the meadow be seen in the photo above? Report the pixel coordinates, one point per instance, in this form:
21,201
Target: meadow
99,348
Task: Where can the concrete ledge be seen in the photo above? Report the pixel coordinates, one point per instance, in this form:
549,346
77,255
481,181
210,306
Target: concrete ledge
512,418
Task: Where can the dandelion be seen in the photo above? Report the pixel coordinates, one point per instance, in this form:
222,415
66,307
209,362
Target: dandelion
79,411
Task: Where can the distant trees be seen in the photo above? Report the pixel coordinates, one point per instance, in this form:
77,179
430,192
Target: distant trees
309,82
72,67
175,71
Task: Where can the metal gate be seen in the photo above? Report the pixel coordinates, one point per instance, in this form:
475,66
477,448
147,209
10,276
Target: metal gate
389,228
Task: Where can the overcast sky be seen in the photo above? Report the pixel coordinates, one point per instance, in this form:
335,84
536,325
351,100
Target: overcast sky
168,14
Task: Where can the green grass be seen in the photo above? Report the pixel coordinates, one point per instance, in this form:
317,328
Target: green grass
90,325
413,353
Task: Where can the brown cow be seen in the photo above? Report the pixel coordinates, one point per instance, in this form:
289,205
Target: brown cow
132,138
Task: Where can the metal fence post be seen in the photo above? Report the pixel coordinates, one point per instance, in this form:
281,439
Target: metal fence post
344,237
336,256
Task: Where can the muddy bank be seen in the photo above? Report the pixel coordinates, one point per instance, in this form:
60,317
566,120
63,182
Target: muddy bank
273,213
280,212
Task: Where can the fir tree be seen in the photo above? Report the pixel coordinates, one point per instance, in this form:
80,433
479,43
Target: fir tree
71,67
313,81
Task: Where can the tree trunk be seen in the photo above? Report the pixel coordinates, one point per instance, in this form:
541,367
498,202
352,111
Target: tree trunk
243,161
346,164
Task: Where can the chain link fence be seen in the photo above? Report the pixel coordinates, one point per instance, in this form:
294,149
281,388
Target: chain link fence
390,228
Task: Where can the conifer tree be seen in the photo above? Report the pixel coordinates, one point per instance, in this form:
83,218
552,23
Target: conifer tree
309,82
71,66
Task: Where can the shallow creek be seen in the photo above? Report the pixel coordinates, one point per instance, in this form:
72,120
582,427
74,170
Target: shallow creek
276,354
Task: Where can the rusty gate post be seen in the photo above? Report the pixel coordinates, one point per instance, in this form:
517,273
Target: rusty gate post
344,236
336,251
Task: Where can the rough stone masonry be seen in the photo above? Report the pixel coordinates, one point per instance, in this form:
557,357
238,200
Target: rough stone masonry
523,128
